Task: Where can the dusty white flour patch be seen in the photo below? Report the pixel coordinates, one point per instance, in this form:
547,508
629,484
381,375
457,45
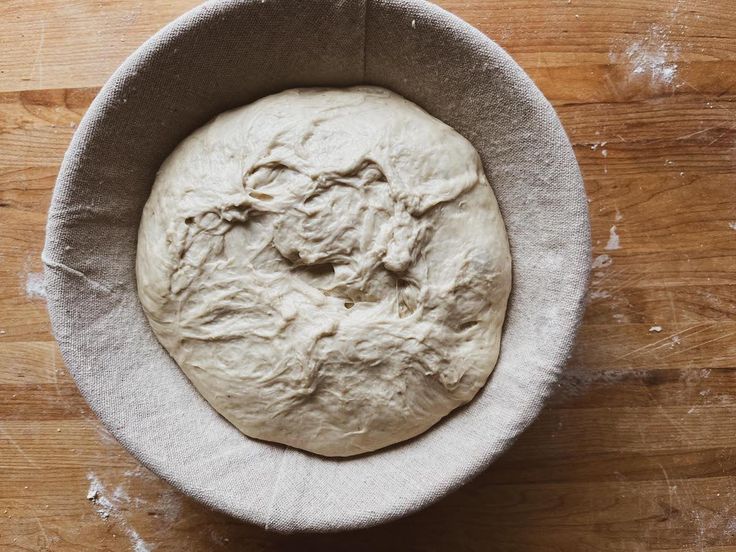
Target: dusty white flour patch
139,545
109,506
613,240
603,152
94,487
599,294
655,329
120,495
35,286
650,57
138,471
170,502
506,32
602,261
732,225
619,217
31,282
96,494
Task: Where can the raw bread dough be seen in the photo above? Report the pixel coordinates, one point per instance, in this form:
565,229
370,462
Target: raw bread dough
329,268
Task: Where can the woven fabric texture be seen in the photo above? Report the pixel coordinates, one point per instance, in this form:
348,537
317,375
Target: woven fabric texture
226,54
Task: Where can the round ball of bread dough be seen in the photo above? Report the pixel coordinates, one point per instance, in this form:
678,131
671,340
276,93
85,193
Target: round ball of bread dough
328,267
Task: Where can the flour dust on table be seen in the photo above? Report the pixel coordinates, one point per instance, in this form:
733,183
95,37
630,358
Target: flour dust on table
329,267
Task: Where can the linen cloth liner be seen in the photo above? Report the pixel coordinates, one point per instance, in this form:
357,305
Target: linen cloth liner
226,54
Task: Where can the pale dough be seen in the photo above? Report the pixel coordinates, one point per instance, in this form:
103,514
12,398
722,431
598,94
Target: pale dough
329,267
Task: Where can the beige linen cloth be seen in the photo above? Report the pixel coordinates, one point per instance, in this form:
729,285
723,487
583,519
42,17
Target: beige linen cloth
228,53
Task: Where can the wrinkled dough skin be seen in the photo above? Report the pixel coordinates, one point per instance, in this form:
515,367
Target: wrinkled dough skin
328,267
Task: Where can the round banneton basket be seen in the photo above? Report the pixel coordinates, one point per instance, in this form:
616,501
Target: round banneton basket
229,53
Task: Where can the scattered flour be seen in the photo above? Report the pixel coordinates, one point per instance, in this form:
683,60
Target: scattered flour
94,487
169,503
655,329
602,261
108,507
650,56
120,495
32,282
599,294
613,240
138,471
217,538
96,494
34,286
139,545
116,505
732,225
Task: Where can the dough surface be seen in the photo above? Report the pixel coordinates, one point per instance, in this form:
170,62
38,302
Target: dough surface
328,267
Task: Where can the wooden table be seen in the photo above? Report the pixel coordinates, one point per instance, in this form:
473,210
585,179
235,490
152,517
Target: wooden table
637,450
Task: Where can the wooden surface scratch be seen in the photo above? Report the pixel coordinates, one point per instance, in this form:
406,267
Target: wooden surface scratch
636,450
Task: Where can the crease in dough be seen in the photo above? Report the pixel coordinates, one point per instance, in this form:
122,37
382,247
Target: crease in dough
329,267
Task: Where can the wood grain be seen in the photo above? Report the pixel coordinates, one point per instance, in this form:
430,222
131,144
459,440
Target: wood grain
636,448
